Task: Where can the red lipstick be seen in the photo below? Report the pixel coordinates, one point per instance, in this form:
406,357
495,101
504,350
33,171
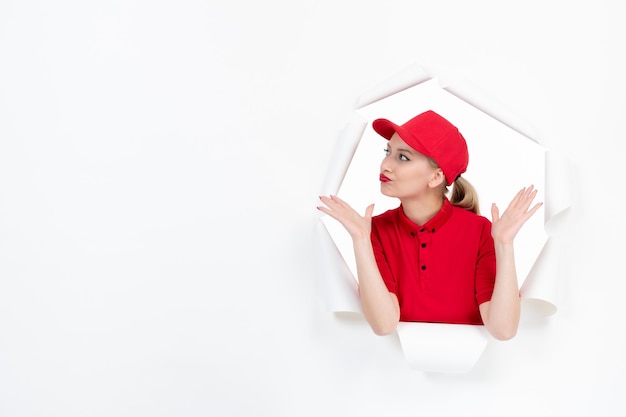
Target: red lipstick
383,178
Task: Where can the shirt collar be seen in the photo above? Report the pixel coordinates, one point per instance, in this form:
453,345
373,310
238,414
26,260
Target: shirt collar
431,225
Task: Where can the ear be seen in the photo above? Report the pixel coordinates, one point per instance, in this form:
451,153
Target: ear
437,179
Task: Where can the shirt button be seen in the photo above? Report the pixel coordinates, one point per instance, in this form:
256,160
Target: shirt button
423,267
433,231
422,230
412,233
423,245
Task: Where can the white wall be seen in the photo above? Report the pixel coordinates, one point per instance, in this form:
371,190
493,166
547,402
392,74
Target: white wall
159,168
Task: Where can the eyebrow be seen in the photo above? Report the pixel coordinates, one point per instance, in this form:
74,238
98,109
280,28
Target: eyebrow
409,150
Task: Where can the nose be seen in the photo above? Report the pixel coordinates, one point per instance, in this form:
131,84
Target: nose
385,165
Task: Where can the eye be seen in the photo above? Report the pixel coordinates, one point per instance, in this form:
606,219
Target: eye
403,158
386,151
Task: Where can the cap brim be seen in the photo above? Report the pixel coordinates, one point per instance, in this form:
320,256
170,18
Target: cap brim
386,129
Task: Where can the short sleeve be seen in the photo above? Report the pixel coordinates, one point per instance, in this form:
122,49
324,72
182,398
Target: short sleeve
382,262
485,265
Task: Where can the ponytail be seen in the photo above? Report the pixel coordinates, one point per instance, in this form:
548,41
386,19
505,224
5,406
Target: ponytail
464,195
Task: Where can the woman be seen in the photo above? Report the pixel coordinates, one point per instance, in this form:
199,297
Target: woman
433,259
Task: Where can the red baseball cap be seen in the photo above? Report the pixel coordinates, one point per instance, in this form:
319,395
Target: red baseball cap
432,135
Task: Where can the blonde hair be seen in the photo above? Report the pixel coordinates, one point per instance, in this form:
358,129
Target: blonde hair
463,194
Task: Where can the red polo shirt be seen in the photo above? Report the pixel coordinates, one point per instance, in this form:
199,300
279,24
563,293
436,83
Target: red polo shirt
440,271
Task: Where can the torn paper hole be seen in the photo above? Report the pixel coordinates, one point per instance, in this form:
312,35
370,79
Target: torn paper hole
503,158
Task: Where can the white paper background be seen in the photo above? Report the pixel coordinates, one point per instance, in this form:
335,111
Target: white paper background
159,167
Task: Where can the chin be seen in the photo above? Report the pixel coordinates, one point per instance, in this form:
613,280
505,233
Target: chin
385,192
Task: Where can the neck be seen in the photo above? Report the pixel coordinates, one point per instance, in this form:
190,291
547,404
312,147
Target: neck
422,210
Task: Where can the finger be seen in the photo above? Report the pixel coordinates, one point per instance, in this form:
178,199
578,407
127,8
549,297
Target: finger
369,211
339,203
527,215
534,209
525,200
338,200
324,210
337,215
515,200
331,201
495,213
530,191
329,206
528,200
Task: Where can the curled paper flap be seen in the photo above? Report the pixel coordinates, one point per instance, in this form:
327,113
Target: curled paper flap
540,289
558,187
441,347
343,153
340,287
472,95
413,75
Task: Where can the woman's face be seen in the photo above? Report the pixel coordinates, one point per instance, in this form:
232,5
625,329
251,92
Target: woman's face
406,173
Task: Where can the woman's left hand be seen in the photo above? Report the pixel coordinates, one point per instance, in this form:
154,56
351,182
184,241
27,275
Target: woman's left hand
505,228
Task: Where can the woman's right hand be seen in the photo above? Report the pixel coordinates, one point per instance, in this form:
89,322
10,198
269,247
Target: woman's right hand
358,226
